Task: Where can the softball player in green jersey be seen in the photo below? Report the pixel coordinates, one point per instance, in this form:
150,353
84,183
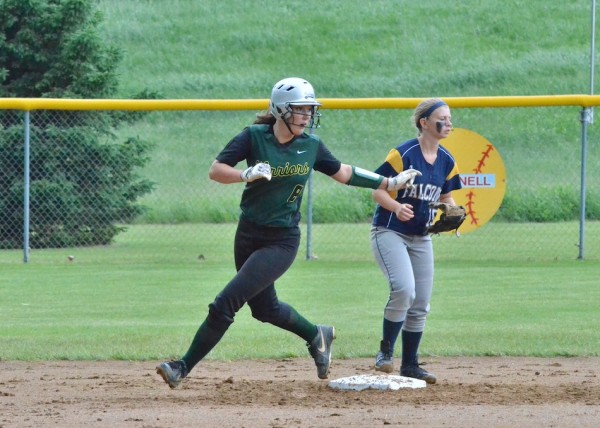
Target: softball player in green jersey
279,157
399,238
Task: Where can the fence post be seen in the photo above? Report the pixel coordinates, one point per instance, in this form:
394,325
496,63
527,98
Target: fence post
26,189
585,118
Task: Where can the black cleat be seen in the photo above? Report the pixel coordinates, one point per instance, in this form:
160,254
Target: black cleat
320,349
417,372
172,372
384,360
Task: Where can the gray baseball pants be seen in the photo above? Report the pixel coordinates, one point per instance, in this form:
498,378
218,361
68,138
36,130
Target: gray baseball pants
407,263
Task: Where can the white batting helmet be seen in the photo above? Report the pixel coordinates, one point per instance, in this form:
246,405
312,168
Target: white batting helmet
292,91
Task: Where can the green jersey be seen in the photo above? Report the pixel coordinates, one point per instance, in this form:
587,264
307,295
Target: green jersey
277,202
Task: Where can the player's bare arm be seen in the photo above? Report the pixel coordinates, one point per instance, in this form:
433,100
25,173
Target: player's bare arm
403,212
225,174
344,174
447,199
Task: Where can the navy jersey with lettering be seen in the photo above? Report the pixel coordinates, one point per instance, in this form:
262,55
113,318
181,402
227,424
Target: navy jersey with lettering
277,202
437,179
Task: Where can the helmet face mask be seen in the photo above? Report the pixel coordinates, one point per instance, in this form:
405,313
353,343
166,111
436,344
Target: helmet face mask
290,92
315,116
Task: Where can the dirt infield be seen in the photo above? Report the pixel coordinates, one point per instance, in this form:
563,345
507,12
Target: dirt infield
471,392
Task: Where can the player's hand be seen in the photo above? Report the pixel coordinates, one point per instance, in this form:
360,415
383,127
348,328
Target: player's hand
403,180
404,212
260,170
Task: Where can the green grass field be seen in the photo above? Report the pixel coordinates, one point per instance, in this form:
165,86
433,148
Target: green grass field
130,302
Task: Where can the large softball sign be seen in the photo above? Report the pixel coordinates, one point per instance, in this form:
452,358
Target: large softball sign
482,176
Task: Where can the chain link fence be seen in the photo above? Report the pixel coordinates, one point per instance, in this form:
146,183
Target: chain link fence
89,183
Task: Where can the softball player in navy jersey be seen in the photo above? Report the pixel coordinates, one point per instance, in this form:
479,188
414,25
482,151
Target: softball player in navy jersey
399,238
279,158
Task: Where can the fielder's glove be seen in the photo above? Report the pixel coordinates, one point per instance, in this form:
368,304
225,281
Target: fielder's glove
260,170
403,180
451,218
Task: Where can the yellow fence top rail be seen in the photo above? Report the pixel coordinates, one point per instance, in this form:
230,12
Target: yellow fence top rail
28,104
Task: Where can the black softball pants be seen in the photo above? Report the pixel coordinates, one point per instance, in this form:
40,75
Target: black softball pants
262,255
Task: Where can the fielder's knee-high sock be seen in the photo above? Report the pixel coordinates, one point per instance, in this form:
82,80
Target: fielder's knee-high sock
207,336
410,347
391,330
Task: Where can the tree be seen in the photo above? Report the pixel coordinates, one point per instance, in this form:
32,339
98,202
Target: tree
83,182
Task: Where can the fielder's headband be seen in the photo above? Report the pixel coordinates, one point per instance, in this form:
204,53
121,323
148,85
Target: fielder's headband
432,109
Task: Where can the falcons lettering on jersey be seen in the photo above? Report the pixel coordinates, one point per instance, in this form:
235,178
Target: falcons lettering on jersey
423,192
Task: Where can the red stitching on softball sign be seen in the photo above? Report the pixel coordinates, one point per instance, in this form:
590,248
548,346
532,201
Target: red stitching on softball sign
482,175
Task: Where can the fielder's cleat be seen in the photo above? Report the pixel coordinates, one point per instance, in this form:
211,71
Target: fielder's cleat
417,372
320,349
384,360
172,372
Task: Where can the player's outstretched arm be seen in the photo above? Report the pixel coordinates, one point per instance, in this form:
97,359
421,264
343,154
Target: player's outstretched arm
355,176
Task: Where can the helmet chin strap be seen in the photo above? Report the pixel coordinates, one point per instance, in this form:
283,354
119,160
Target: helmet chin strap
288,126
